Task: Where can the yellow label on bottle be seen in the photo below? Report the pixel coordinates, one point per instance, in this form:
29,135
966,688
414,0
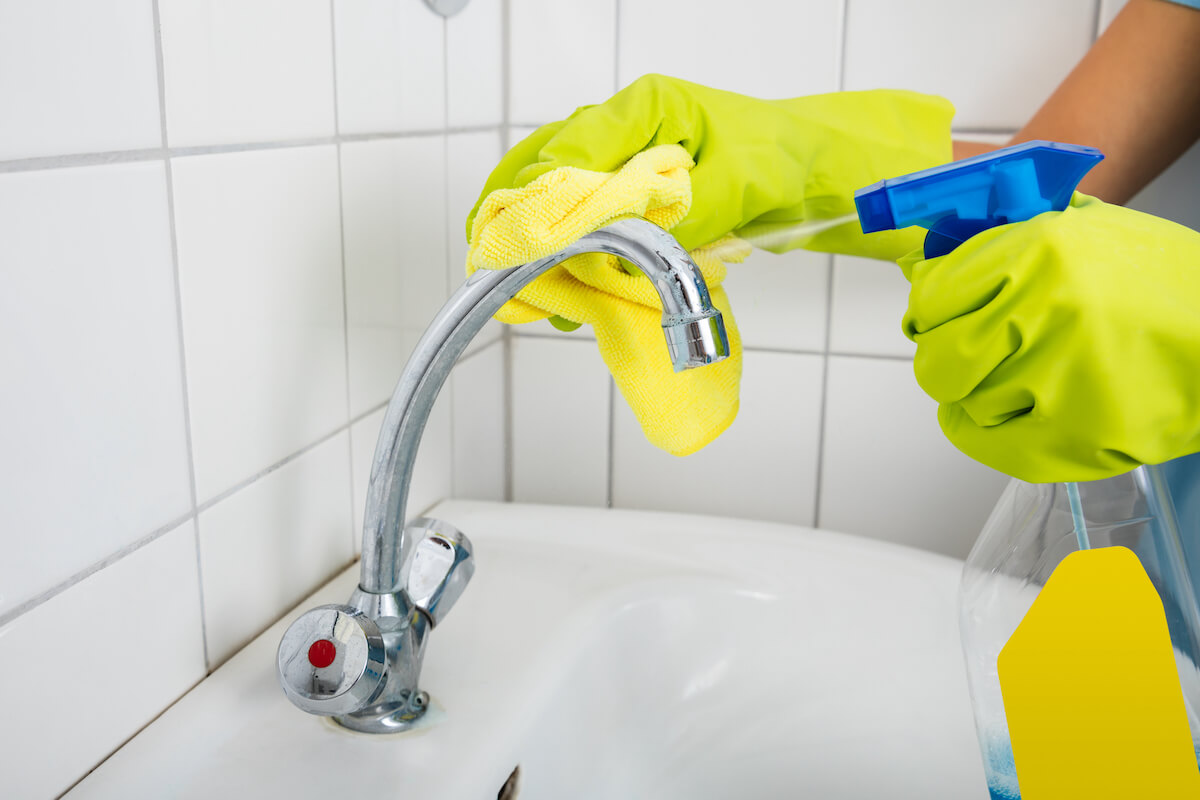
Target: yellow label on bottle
1091,690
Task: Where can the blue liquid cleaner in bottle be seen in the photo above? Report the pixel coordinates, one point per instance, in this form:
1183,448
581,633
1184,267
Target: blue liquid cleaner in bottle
1035,526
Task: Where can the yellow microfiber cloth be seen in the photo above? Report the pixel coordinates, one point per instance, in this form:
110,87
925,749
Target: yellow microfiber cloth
679,412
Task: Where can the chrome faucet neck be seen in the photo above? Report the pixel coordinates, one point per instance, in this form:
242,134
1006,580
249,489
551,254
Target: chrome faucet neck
694,331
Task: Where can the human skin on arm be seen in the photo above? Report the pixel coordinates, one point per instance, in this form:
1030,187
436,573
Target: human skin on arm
1135,96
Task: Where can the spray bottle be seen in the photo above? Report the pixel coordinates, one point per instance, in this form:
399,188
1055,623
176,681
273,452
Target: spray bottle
1078,612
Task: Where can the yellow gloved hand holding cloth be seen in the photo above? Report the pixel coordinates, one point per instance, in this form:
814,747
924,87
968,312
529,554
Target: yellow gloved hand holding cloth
679,412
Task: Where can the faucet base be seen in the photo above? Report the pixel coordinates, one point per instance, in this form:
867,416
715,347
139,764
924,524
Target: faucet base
393,717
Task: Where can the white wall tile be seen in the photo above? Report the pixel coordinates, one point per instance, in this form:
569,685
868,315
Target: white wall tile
997,64
77,76
479,421
764,466
389,66
888,471
869,300
88,668
93,399
471,158
261,283
561,56
265,547
431,478
779,300
560,421
473,60
394,211
247,70
762,48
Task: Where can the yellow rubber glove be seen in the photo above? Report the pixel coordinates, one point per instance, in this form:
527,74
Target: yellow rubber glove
679,412
1066,347
761,166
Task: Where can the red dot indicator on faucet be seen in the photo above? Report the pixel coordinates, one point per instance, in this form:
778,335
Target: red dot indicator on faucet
321,653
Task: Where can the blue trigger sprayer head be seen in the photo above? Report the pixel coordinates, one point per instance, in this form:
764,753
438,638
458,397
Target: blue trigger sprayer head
958,200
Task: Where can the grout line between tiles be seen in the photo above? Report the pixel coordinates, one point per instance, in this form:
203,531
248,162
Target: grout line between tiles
169,177
337,126
155,153
817,483
746,349
506,334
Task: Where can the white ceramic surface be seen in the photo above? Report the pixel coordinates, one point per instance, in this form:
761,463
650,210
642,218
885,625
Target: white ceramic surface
561,55
261,283
77,76
394,219
560,421
868,301
93,390
763,48
389,66
888,472
265,546
479,403
247,70
996,62
474,79
764,465
616,654
102,657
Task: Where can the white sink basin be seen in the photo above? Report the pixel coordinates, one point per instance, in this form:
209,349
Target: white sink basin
619,655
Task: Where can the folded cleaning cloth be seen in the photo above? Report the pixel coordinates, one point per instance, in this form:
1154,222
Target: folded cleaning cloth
679,412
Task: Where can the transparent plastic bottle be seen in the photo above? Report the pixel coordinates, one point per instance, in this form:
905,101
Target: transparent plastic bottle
1154,511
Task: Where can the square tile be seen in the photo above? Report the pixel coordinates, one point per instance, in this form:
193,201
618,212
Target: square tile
261,282
764,48
471,157
869,300
764,466
779,300
888,472
480,406
431,480
973,65
394,213
561,55
474,64
77,77
267,546
560,422
140,657
247,70
390,74
93,395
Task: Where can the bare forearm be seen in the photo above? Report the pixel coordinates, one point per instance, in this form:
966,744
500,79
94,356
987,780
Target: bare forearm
1135,96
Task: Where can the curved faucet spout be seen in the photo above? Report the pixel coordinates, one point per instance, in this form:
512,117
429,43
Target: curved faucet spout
694,331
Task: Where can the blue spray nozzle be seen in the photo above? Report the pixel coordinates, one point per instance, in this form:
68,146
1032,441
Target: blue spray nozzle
958,200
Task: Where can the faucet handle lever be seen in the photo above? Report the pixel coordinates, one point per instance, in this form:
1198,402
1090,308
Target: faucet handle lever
442,565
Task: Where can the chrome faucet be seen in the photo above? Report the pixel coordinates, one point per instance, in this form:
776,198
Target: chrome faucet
360,663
